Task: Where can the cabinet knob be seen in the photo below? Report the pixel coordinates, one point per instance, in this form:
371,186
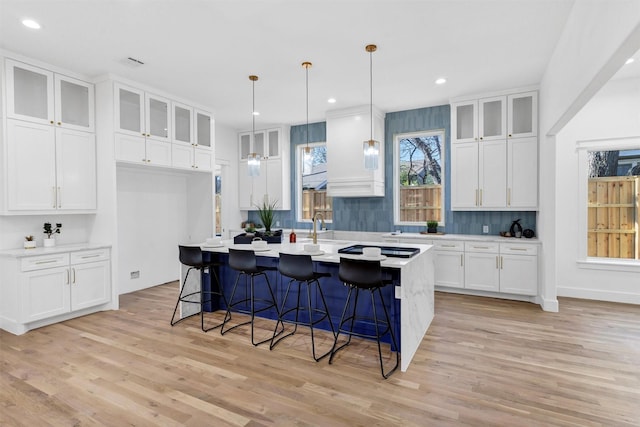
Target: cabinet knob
51,121
480,138
148,161
509,135
59,123
148,134
143,134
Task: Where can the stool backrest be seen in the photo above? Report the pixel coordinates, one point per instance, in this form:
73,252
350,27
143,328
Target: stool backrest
299,267
243,260
360,273
190,255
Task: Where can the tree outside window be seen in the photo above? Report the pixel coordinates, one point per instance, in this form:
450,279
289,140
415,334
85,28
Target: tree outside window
312,173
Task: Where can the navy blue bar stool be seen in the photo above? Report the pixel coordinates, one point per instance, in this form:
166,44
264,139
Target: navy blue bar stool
192,256
299,268
364,275
244,262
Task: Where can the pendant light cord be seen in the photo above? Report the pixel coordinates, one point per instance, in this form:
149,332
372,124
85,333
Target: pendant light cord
307,84
371,91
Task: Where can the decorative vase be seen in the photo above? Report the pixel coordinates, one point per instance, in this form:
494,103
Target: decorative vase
29,244
432,230
49,243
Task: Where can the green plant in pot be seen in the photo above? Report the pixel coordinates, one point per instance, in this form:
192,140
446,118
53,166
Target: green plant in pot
432,226
266,212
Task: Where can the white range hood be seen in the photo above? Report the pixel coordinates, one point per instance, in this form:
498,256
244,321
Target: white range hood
346,130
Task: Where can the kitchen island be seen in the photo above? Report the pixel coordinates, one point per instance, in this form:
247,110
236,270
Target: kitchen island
410,300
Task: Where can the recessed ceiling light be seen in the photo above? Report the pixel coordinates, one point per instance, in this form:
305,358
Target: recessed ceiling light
30,23
629,61
441,81
331,100
256,113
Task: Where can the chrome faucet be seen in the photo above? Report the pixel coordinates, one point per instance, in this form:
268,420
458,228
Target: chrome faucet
314,235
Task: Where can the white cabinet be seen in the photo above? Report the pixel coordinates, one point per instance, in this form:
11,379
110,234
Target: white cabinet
136,149
494,153
50,168
183,123
449,262
273,182
50,147
196,155
46,288
481,266
42,96
518,268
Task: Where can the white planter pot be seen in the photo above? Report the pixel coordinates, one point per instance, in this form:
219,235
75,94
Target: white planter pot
29,244
48,243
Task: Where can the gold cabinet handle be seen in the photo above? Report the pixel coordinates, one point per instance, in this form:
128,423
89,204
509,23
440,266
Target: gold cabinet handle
51,121
476,197
55,196
67,276
59,123
509,197
143,134
461,260
59,197
497,262
501,263
481,197
74,275
481,138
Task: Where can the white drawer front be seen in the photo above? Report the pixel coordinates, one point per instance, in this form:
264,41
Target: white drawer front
45,261
518,248
448,245
481,247
89,256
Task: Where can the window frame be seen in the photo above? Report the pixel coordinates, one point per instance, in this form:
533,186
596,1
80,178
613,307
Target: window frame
396,175
583,147
298,181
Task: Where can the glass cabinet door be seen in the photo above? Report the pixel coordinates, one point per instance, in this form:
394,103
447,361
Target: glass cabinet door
523,115
273,142
258,144
245,145
465,121
157,117
129,104
74,103
492,118
29,93
203,129
182,123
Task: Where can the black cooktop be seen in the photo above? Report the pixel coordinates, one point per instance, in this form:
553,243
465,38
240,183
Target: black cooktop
390,251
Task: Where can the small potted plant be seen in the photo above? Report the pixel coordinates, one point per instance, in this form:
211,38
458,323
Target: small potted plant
29,242
50,231
432,226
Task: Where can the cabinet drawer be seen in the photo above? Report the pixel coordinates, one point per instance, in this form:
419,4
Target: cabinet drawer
518,248
448,245
89,256
491,247
44,261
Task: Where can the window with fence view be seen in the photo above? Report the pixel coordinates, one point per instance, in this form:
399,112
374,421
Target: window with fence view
613,204
313,173
420,174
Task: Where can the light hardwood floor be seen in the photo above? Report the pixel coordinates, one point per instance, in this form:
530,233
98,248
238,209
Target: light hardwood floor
483,362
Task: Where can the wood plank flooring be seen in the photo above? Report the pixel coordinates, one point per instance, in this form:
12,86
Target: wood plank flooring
483,362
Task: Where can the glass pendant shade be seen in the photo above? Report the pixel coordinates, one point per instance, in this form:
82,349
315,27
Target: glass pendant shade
253,164
371,150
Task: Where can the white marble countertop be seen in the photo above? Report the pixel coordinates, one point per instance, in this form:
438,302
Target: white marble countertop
329,250
22,253
470,237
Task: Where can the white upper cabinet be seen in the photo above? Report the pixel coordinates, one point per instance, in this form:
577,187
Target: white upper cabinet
492,118
523,115
203,128
142,114
494,153
42,96
157,117
183,123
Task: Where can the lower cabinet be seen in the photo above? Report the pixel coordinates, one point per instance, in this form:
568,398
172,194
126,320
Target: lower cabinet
42,287
449,262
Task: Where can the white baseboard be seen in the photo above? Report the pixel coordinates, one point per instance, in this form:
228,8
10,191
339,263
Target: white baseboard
601,295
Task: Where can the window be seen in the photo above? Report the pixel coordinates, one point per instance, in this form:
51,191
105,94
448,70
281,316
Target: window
613,209
312,183
419,178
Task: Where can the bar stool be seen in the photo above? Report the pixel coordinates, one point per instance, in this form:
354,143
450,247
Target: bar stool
244,262
192,257
364,275
299,268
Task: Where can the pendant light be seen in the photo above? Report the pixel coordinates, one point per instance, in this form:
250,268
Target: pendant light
371,147
307,160
253,160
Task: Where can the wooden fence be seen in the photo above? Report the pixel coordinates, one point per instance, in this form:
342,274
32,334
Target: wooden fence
613,217
314,201
421,203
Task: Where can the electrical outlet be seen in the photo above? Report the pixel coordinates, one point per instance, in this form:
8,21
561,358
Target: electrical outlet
277,223
485,229
135,274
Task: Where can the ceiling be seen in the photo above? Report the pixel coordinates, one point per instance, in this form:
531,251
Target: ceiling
204,50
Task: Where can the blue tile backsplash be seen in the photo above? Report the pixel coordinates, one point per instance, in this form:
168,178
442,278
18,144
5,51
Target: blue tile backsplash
376,213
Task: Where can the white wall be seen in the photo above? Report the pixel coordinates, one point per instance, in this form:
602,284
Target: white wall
152,212
598,37
227,158
613,113
75,229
